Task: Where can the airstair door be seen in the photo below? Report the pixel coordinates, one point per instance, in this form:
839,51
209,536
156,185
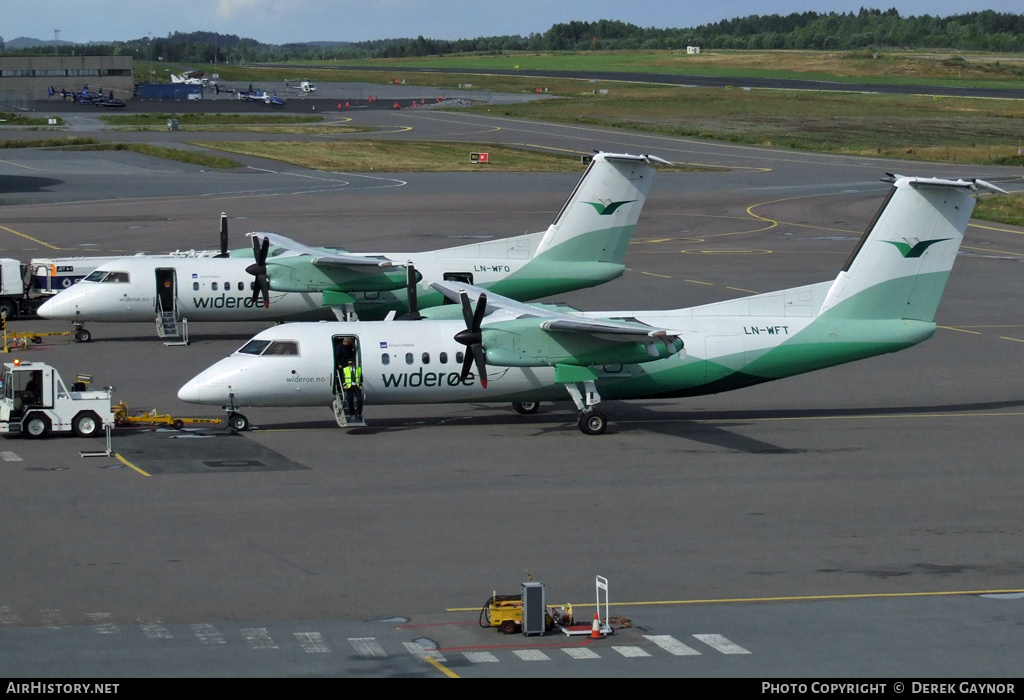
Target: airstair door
345,347
166,303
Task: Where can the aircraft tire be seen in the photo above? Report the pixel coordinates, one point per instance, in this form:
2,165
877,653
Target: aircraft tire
82,335
526,408
592,422
8,309
238,422
36,426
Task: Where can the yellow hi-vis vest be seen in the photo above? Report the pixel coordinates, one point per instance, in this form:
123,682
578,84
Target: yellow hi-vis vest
347,377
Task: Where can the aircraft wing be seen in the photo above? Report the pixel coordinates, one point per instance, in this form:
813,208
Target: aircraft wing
617,331
551,320
513,308
322,257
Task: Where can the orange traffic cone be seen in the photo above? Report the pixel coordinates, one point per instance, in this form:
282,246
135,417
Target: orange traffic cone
595,630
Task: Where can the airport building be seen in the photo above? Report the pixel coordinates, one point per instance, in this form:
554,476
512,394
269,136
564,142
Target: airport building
25,79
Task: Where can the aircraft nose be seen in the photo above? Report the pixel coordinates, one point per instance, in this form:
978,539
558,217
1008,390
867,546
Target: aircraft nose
50,308
62,306
211,386
191,392
203,389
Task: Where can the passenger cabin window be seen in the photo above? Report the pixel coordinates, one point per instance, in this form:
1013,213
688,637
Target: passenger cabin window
426,358
385,359
213,286
408,358
195,286
443,358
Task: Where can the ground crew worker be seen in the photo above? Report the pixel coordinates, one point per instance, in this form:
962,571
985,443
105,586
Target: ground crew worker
352,380
343,351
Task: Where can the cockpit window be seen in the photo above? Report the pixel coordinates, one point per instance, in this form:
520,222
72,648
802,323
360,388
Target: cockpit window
282,347
254,347
270,347
106,276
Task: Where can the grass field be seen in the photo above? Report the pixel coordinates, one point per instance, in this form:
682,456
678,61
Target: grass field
403,156
881,66
916,127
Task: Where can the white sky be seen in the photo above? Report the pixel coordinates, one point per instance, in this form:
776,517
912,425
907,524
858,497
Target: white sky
284,21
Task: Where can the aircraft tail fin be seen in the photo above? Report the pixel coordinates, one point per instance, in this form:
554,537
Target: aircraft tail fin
900,266
597,222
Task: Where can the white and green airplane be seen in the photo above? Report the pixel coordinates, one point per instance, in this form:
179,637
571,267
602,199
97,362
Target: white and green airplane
883,300
584,246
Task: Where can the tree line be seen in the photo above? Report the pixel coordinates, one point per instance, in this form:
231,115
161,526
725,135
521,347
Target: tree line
869,28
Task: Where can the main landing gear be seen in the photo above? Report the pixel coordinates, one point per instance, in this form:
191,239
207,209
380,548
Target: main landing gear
584,395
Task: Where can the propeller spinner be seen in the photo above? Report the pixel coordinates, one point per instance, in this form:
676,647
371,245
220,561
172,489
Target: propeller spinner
472,338
259,270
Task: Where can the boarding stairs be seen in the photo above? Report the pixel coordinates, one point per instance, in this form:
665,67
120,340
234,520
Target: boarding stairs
340,406
167,325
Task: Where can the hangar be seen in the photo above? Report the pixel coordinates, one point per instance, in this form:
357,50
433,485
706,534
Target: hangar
24,79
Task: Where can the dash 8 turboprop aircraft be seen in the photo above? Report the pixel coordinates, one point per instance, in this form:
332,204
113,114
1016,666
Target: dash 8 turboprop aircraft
584,246
883,300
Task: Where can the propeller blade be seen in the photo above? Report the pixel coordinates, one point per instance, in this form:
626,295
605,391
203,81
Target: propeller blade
481,365
223,235
264,249
259,270
264,285
481,309
467,364
255,287
467,312
472,338
411,291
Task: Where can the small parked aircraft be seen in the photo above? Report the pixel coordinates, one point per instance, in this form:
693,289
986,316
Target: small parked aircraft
257,95
303,86
88,97
195,77
883,300
583,247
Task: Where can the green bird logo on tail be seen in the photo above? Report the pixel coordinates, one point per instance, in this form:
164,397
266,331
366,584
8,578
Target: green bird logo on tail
916,251
608,209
